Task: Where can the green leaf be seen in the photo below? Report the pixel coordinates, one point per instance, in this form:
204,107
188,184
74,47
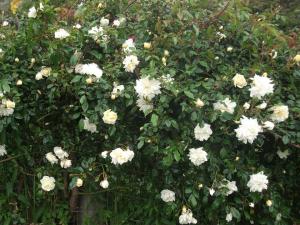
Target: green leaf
76,79
154,119
189,94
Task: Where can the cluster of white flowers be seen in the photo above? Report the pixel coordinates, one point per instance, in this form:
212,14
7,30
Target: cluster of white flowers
91,127
44,72
261,86
197,156
109,117
220,35
225,106
128,46
186,217
202,133
167,195
167,79
248,130
131,61
120,156
258,182
91,69
96,32
48,183
61,34
60,154
146,90
3,150
6,107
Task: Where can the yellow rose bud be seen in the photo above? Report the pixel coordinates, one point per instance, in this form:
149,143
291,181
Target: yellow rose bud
89,80
166,53
199,103
10,104
297,58
147,45
19,82
113,97
265,74
269,203
17,60
164,60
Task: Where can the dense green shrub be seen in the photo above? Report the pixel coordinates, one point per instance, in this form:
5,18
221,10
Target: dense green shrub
187,56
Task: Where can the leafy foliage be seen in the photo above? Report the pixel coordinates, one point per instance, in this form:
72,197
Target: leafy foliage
50,112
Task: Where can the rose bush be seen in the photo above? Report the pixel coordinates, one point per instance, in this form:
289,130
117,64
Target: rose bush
164,112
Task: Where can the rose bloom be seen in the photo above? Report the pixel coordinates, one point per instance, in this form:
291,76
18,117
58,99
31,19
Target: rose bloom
48,183
147,45
167,195
109,117
258,182
248,130
79,182
280,113
239,81
32,13
202,133
104,184
10,104
197,156
61,34
297,58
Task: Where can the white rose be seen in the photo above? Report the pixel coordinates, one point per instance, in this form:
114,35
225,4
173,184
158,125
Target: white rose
51,158
104,22
32,13
262,105
246,106
268,125
39,76
48,183
65,163
199,103
280,113
167,195
109,117
60,153
116,23
79,182
104,184
239,81
229,49
104,154
61,34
